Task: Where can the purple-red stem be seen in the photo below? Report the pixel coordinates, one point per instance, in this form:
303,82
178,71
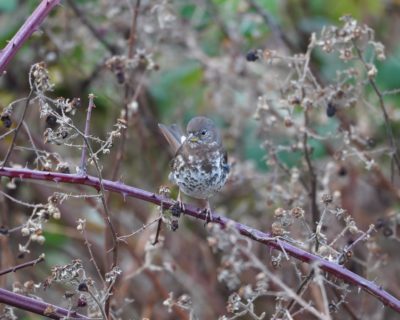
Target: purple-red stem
31,24
259,236
37,306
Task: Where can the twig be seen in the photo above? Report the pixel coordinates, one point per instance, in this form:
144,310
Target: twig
302,288
389,129
82,166
348,248
28,133
313,181
254,234
289,291
81,15
31,24
20,202
127,92
21,121
275,28
144,227
157,232
99,304
319,279
132,35
92,259
37,306
22,265
107,219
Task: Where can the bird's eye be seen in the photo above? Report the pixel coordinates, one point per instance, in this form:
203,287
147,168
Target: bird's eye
204,132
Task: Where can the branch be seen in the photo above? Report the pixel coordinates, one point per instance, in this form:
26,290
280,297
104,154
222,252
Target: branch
312,193
36,306
30,25
273,25
22,265
21,121
388,124
82,166
254,234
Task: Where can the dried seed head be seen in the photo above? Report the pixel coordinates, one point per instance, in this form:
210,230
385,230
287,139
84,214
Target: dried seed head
297,212
326,198
279,212
277,229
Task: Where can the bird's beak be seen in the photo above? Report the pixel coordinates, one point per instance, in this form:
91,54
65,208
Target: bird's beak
193,138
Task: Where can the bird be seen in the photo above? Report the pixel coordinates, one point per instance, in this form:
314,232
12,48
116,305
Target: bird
200,164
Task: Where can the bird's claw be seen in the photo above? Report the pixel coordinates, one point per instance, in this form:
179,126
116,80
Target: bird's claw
209,216
177,208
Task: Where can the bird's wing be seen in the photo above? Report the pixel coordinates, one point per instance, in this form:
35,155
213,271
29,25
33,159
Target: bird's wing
173,135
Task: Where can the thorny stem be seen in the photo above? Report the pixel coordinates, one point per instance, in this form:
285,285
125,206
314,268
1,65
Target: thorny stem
105,212
363,236
99,305
23,265
319,279
21,121
283,286
302,288
254,234
318,230
346,306
389,130
131,46
107,219
313,180
92,259
31,24
37,306
120,151
83,167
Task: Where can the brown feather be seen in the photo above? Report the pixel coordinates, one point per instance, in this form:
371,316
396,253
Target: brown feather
171,134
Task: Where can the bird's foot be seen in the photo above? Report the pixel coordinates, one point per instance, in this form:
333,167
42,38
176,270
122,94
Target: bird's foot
209,216
177,208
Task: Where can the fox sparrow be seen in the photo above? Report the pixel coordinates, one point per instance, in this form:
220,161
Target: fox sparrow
200,164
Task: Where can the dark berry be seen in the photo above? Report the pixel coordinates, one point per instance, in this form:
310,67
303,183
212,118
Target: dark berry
81,302
83,287
342,172
252,56
330,110
6,121
51,120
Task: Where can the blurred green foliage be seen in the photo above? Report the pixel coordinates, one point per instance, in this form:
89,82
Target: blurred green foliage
172,86
8,6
